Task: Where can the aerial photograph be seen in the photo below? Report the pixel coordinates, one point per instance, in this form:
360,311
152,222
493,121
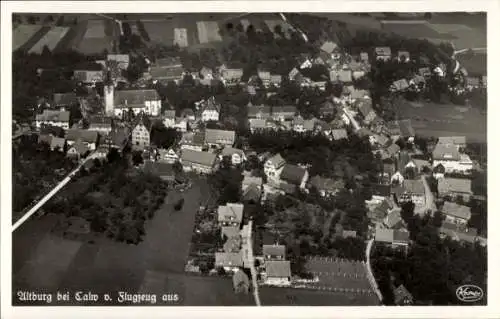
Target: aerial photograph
249,159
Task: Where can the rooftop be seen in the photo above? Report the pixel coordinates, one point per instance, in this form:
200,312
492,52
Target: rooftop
134,98
454,185
293,174
456,210
232,212
202,158
278,268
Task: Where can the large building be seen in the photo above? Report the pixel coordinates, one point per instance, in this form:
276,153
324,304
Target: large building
146,101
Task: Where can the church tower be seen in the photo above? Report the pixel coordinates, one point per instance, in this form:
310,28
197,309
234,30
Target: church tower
109,96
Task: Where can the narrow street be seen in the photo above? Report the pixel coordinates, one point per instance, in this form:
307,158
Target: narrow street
251,261
429,197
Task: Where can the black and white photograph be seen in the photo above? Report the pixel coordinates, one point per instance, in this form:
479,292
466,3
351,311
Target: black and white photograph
247,158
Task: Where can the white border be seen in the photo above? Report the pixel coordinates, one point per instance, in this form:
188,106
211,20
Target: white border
7,7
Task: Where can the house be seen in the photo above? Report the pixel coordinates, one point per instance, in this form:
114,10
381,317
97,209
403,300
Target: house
400,85
402,297
273,252
122,60
277,273
438,171
395,238
283,113
383,53
219,138
259,112
101,124
89,138
456,213
454,188
241,283
188,114
251,181
206,73
380,192
230,262
414,190
78,150
265,76
65,99
165,75
252,194
258,124
425,72
292,75
403,56
169,118
118,138
169,156
459,141
59,118
201,162
298,124
344,76
141,133
163,170
147,101
211,110
88,76
364,57
193,141
230,215
329,47
326,186
275,80
274,166
459,232
55,143
295,175
237,156
453,161
393,218
380,211
232,76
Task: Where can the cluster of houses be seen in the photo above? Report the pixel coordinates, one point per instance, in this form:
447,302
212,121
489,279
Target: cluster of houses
235,255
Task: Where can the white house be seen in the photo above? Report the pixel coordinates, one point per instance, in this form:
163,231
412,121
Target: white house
147,101
169,118
273,167
169,156
452,160
237,156
59,118
211,111
278,273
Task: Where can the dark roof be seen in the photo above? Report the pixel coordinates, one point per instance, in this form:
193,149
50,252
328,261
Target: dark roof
80,147
202,158
273,250
53,116
159,168
219,136
402,295
162,73
131,98
83,135
326,184
406,128
252,193
293,174
278,268
381,190
65,99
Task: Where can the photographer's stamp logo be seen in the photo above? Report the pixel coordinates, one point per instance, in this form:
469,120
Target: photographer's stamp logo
469,293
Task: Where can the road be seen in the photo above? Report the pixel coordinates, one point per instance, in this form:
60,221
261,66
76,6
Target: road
251,261
369,272
429,197
47,197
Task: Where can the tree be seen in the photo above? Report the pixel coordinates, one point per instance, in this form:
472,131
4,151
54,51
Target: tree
164,137
137,158
133,72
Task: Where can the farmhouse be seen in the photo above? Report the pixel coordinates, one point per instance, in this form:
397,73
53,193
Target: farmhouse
455,187
294,175
237,156
273,252
65,99
147,101
89,138
211,110
59,118
100,124
230,262
201,162
449,156
456,214
278,273
273,166
218,138
394,238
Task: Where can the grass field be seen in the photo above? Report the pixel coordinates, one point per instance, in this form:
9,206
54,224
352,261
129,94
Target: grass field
44,262
95,36
446,120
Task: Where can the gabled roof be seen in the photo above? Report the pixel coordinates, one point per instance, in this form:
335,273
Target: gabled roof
446,152
383,51
456,210
230,231
457,140
187,112
274,250
202,158
252,193
65,99
228,259
364,107
326,184
169,114
230,212
293,174
406,128
169,62
100,121
83,135
57,142
381,190
329,47
401,294
134,98
232,74
278,268
211,105
393,149
391,236
393,218
400,85
229,151
277,160
454,185
287,109
53,116
80,147
257,123
264,75
162,73
215,136
252,180
263,111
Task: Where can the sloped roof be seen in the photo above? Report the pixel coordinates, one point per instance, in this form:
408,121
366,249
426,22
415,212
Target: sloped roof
293,174
228,259
454,185
456,210
446,152
406,128
393,149
134,98
57,142
383,51
339,134
202,158
229,151
53,116
274,250
249,180
329,46
162,73
278,268
277,160
287,109
252,193
230,231
457,140
326,184
393,218
257,123
215,136
254,110
80,147
169,114
230,211
64,99
84,135
401,293
414,186
401,84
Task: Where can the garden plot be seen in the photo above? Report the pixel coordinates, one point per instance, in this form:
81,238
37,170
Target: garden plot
208,31
95,29
285,28
50,39
181,37
98,36
160,31
22,34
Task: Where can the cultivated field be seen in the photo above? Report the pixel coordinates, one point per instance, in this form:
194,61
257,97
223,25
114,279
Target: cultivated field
50,39
45,262
99,35
22,33
429,119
